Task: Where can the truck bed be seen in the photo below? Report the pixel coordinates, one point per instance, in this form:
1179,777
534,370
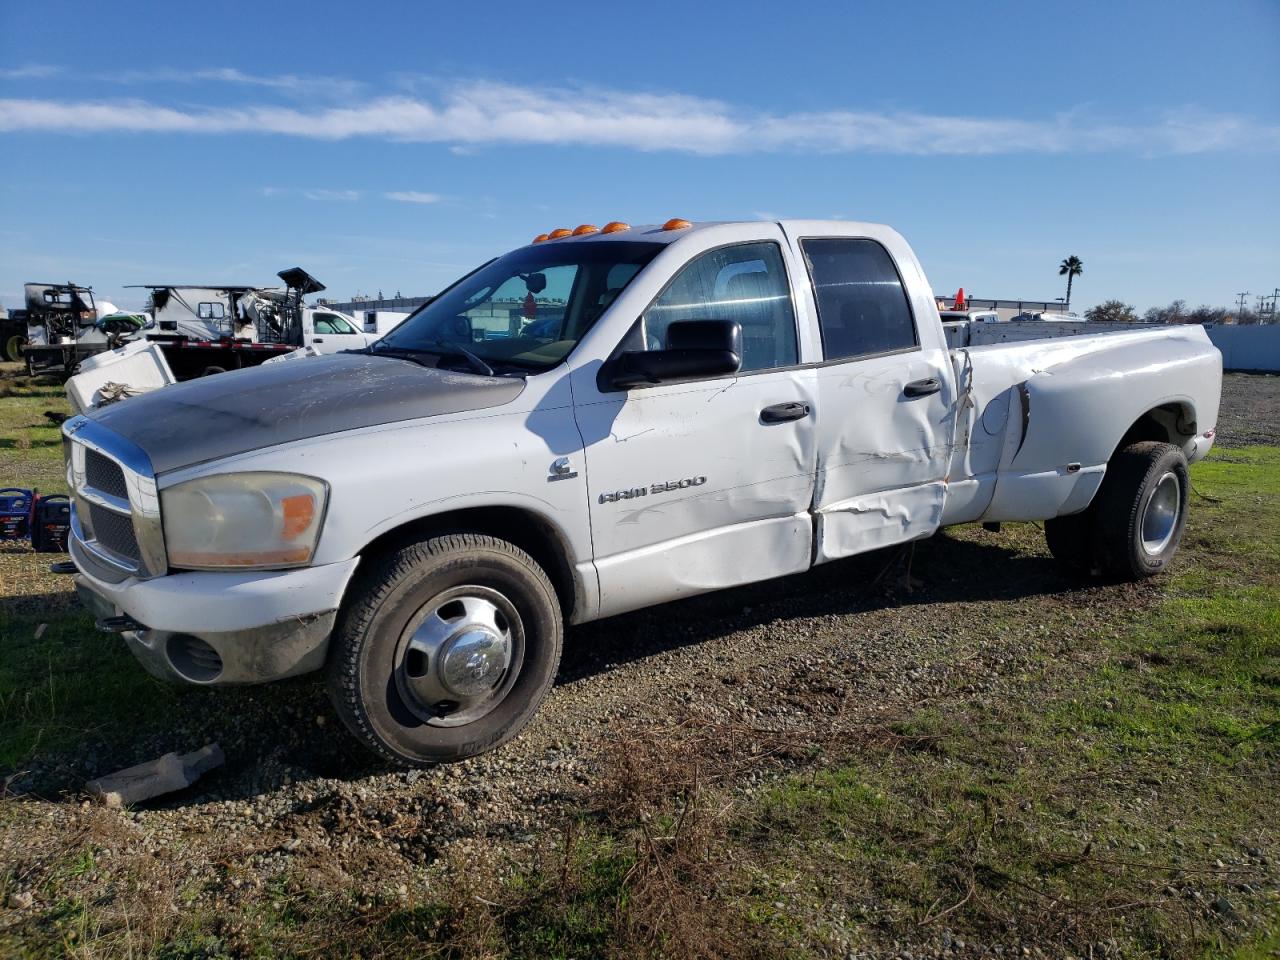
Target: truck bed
1046,401
965,333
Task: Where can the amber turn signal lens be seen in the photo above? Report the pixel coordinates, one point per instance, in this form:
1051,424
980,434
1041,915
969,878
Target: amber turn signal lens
676,223
585,228
615,226
557,234
539,238
299,510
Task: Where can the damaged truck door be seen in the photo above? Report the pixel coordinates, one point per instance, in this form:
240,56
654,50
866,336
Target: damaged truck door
703,481
885,392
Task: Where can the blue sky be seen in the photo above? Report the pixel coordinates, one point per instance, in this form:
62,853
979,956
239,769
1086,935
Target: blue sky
394,146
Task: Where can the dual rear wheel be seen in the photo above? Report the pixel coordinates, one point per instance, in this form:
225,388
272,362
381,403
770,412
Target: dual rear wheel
1134,526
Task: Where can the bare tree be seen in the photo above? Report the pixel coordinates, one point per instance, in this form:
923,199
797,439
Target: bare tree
1204,314
1175,312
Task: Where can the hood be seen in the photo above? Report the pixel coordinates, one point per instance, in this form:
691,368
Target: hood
231,413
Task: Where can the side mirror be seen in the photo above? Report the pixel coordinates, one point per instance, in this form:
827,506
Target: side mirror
696,350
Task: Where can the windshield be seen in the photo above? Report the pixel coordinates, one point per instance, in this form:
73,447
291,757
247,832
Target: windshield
526,310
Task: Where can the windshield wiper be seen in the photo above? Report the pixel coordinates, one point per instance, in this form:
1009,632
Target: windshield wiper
477,364
439,348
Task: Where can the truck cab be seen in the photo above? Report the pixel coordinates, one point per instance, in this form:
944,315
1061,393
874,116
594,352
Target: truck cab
328,331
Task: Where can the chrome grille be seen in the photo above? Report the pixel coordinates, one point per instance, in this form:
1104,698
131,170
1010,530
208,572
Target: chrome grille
115,532
104,475
115,515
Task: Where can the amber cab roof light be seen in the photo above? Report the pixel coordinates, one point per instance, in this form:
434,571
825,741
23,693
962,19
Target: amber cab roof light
585,228
558,233
615,226
676,223
540,238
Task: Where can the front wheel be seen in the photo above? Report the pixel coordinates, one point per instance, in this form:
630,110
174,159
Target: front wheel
445,649
13,348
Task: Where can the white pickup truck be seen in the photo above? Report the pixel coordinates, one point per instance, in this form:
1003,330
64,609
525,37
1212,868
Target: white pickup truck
672,409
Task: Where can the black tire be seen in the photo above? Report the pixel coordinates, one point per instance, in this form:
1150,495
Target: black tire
1137,538
211,371
369,665
13,348
1071,541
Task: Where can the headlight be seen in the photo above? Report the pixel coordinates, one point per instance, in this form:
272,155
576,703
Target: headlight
262,520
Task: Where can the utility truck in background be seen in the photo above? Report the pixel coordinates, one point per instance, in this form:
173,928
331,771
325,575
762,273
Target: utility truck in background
599,421
208,329
202,329
61,327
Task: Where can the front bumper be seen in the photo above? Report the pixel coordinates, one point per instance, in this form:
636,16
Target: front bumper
233,627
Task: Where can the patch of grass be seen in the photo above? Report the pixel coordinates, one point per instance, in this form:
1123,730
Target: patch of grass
57,689
1093,805
71,680
31,441
1263,946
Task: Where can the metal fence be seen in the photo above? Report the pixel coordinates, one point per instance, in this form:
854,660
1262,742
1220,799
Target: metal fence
1254,348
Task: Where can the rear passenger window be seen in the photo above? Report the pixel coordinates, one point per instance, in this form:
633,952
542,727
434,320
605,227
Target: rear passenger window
746,283
862,307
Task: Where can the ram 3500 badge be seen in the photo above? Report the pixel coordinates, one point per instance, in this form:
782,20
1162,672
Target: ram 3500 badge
665,487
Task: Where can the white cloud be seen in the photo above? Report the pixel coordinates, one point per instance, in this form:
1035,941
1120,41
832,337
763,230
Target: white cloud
289,83
32,71
495,113
413,196
344,195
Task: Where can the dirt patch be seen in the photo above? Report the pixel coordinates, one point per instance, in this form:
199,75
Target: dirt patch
1250,410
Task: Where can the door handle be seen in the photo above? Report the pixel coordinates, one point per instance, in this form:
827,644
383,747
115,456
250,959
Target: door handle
317,340
784,412
922,388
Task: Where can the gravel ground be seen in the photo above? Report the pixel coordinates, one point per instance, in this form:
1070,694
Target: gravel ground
764,656
853,640
1250,410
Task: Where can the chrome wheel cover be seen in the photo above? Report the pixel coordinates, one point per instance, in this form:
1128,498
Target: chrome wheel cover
459,656
1161,514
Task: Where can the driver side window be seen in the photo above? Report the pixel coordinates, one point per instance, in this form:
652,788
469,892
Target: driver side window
746,283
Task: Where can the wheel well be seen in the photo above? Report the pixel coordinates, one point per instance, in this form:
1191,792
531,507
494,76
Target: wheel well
1170,423
526,530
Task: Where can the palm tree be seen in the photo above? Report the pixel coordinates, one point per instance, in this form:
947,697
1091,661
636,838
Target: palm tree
1070,268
